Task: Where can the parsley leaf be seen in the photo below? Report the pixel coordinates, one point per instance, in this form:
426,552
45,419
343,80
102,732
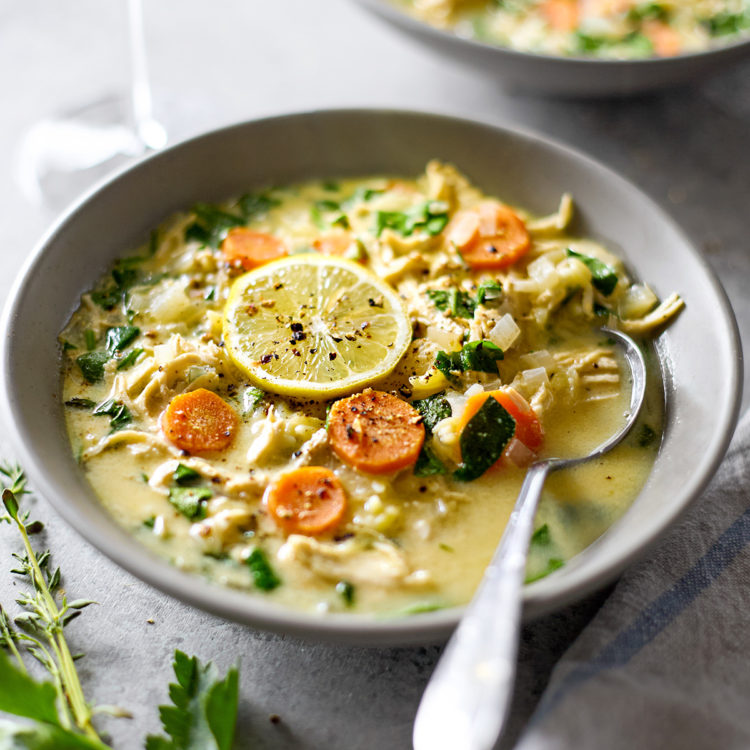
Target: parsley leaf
211,225
430,217
541,536
22,696
81,403
725,23
489,291
346,591
484,439
254,205
603,276
119,413
204,711
263,574
458,303
184,475
190,501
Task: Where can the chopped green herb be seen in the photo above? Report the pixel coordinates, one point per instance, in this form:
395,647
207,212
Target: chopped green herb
211,225
481,356
646,436
484,439
446,547
459,304
210,294
723,24
190,501
119,337
149,522
433,409
428,464
119,413
346,591
263,574
553,564
342,220
541,536
90,338
360,195
430,217
80,403
92,364
603,276
638,45
489,291
129,359
251,398
66,345
331,186
254,205
327,205
648,12
184,475
589,43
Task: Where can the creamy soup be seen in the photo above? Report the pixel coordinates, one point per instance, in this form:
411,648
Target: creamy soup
327,394
619,29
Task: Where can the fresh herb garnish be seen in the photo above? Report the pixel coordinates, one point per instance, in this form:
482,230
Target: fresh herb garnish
129,359
80,403
254,205
723,24
92,364
124,275
118,337
184,475
211,225
541,536
430,217
190,501
433,409
90,338
428,464
483,440
648,12
553,564
603,276
458,303
346,591
263,574
481,356
489,291
646,435
251,397
119,413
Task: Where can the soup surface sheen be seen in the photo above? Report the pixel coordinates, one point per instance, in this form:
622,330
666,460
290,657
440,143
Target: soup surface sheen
615,29
203,375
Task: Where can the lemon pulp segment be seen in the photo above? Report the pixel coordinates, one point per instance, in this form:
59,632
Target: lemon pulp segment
314,326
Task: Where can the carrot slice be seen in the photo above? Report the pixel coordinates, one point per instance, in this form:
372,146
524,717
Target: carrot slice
561,14
309,500
509,242
375,432
528,427
333,244
199,421
248,249
665,40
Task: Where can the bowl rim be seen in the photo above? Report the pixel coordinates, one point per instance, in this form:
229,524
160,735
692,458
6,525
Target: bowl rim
396,16
540,597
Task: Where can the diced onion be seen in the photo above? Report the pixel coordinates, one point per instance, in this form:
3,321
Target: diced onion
505,332
541,358
541,269
449,341
472,390
638,301
518,453
457,402
535,378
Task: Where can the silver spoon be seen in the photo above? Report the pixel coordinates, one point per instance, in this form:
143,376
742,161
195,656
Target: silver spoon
466,702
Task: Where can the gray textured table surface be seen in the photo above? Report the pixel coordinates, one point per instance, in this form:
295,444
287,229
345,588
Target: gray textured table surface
213,64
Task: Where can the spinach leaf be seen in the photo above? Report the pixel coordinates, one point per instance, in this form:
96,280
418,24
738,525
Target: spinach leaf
204,711
489,291
481,356
211,225
80,403
190,501
428,464
541,536
346,591
129,359
648,12
603,276
433,409
360,195
723,24
484,439
124,275
458,303
119,413
184,475
119,337
263,574
92,364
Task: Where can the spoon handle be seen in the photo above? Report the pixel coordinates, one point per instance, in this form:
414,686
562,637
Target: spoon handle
467,699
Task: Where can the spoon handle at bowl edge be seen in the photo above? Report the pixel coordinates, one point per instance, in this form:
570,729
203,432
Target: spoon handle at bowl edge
466,701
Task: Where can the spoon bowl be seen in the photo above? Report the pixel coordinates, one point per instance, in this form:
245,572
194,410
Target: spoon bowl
466,702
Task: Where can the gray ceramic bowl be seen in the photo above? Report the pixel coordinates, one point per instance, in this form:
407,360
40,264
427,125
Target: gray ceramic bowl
699,354
562,76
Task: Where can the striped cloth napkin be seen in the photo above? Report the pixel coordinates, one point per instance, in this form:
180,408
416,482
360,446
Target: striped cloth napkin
666,662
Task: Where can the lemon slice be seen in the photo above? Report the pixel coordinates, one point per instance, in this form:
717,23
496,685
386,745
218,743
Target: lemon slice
314,326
